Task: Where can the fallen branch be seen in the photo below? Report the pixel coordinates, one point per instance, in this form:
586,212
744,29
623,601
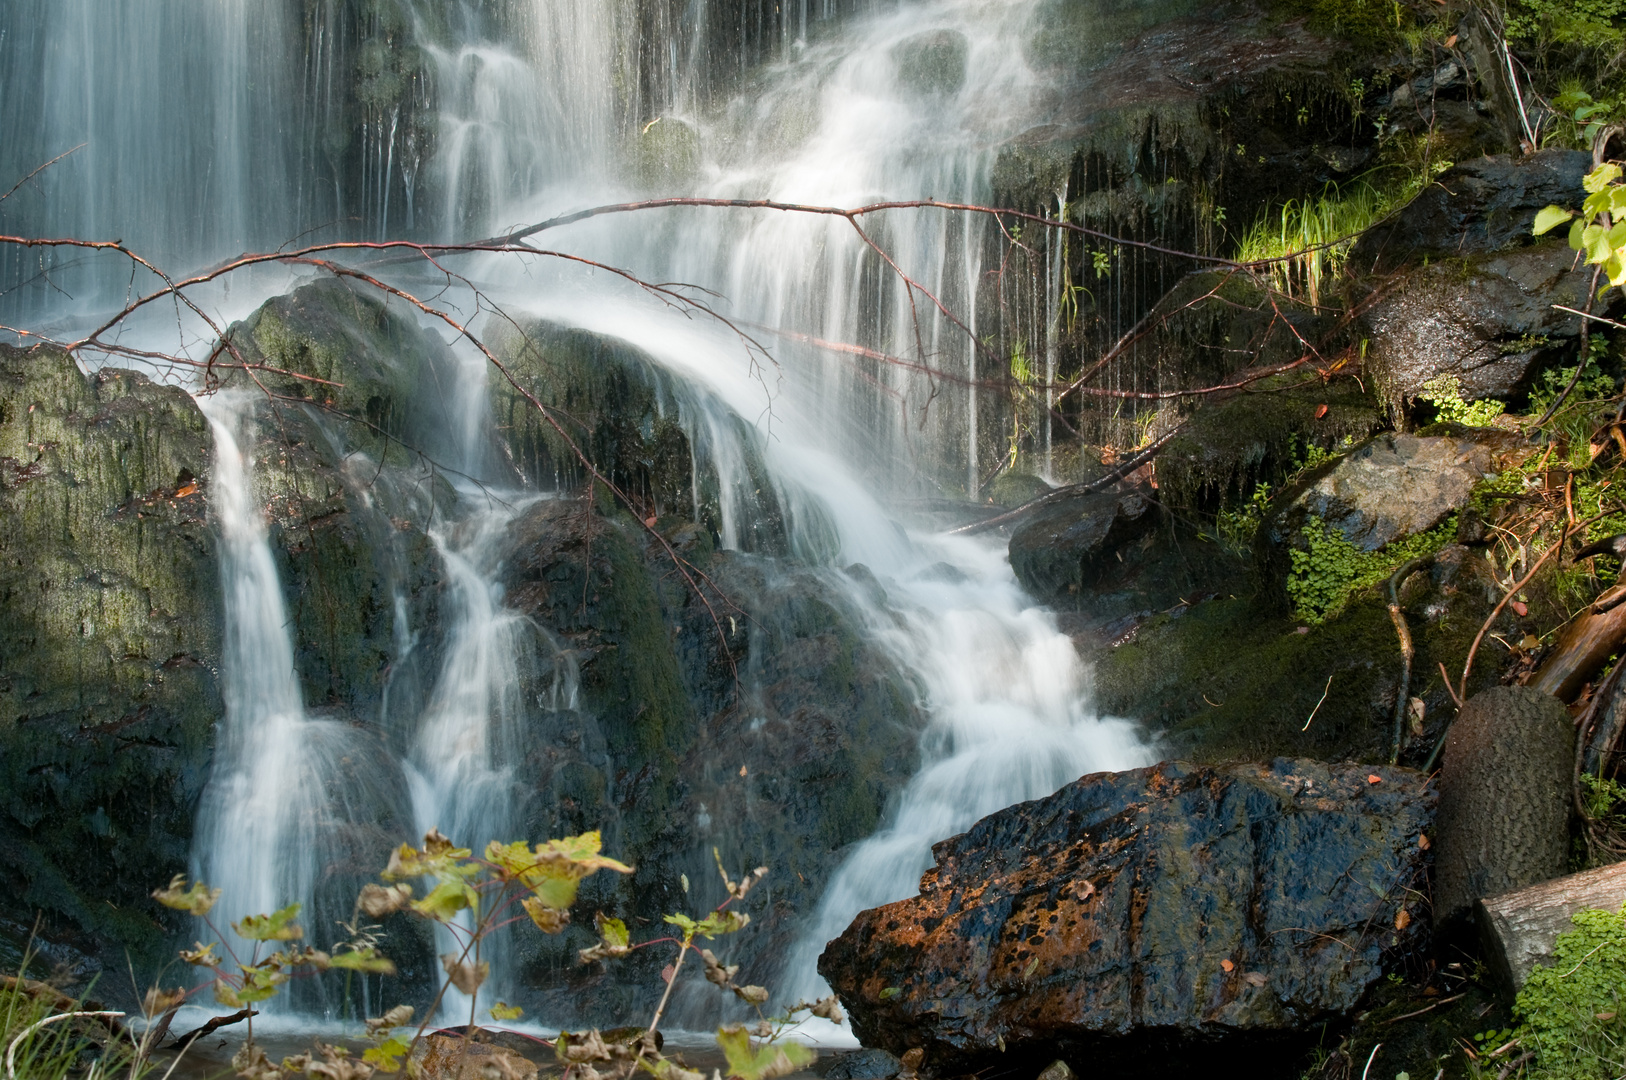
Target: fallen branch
1129,465
215,1024
1408,651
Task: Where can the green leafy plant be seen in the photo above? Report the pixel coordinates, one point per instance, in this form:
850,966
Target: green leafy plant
1444,392
471,897
1593,230
1329,569
1570,1013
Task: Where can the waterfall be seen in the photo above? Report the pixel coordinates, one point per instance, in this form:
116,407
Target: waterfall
912,102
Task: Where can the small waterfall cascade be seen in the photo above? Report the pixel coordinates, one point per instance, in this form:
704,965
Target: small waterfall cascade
458,770
268,789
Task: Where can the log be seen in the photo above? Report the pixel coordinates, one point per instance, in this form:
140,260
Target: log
1518,928
1584,644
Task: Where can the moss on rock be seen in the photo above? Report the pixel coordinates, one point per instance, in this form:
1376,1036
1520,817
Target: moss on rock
108,669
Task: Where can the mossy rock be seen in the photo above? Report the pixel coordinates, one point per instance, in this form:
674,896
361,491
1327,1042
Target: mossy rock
1234,678
1013,489
634,422
932,63
757,719
666,155
359,355
108,670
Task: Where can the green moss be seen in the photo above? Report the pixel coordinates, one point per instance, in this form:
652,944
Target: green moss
1571,1012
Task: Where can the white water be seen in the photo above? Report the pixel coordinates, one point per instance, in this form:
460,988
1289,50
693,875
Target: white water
527,131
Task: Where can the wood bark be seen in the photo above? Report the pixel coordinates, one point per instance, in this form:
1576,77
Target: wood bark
1518,928
1584,644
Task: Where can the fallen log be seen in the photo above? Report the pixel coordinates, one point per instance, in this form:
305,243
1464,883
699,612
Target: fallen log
1584,644
1518,928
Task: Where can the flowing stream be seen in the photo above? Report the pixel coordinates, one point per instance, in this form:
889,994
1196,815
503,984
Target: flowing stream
909,102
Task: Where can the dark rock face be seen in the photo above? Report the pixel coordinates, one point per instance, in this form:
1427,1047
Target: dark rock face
1388,488
109,594
1061,546
1484,205
1504,798
1161,908
670,755
1489,321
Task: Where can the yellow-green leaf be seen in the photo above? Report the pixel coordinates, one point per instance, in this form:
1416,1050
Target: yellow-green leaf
226,994
366,959
722,922
1601,177
1577,234
504,1011
1551,218
446,900
760,1063
202,956
386,1056
278,926
196,900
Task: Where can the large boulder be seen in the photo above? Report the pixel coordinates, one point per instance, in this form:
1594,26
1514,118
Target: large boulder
1484,205
109,593
1062,545
1162,909
1387,488
1489,322
1504,798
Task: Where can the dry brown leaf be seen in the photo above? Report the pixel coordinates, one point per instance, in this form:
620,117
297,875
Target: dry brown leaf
1402,919
1227,965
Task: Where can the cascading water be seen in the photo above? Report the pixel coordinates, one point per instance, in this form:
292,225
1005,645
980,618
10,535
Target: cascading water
910,103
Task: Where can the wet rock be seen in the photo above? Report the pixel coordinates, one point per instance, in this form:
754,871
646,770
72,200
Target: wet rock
1484,205
865,1065
1390,487
756,720
1167,909
933,62
1504,798
1488,321
361,356
1064,545
447,1057
109,592
1014,489
666,154
625,414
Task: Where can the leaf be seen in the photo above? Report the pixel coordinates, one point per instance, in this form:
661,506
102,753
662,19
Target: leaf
547,919
1601,177
1255,978
1577,230
718,974
665,1069
1550,218
1227,965
278,926
226,995
446,900
202,956
377,901
752,995
552,871
400,1016
719,923
829,1008
158,1001
764,1063
386,1056
891,992
465,976
1402,919
614,940
504,1011
195,901
683,922
363,959
259,984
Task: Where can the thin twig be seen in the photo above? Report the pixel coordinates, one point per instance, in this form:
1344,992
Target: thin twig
1317,708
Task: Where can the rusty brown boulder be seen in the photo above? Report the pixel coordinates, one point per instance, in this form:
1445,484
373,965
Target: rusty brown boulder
1133,918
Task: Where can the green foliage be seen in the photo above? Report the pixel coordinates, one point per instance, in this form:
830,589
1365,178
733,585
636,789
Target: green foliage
1598,230
1589,24
760,1063
1445,393
1593,385
1570,1013
1237,526
1367,24
1330,569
